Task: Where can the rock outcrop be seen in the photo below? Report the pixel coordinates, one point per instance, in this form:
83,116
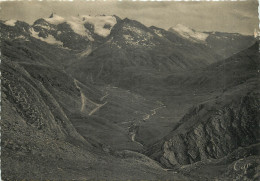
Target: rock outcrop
208,132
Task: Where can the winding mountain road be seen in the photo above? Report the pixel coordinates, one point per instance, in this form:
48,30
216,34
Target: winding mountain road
85,101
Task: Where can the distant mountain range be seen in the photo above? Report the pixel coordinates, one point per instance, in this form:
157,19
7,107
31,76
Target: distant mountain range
109,45
104,98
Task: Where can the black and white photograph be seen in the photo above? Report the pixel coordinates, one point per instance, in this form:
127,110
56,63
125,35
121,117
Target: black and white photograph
130,90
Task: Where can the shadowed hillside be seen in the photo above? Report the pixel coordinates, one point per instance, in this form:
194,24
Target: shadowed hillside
220,127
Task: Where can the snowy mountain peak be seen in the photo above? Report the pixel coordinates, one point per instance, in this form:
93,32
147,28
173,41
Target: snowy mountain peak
189,33
101,24
51,15
182,28
55,19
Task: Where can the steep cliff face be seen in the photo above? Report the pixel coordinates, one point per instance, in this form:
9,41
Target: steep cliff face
212,131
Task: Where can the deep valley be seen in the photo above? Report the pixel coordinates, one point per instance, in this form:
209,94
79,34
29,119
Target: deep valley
82,100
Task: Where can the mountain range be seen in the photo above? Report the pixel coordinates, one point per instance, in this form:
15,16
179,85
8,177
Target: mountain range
105,98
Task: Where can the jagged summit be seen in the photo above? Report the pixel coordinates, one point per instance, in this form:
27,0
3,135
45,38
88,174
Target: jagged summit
77,23
51,16
117,18
74,32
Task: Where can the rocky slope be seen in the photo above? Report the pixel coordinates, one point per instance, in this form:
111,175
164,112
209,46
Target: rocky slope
32,119
210,131
46,114
224,124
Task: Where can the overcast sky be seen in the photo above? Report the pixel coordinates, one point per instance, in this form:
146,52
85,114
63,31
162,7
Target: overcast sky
241,17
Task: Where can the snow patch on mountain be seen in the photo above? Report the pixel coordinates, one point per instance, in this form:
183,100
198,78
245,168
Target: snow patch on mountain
86,52
128,37
137,37
77,25
10,22
22,38
49,39
158,32
134,30
138,32
102,24
55,20
189,33
43,26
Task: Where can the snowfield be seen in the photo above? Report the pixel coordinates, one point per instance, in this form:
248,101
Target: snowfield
50,39
55,20
189,33
102,24
77,25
